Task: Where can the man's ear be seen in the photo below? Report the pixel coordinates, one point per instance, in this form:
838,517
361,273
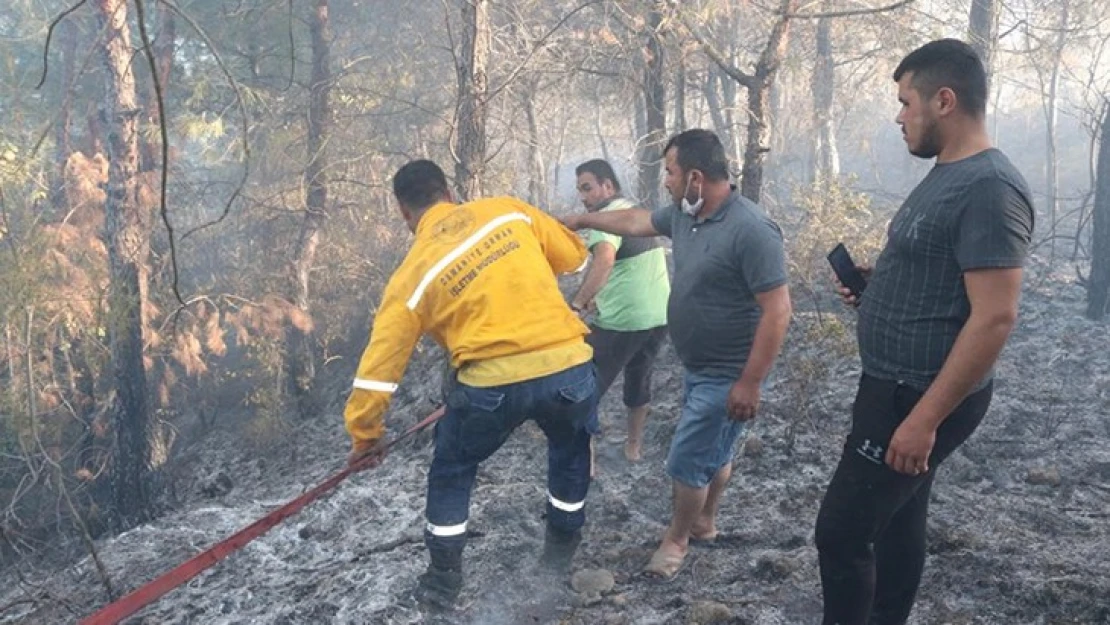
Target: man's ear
945,101
451,196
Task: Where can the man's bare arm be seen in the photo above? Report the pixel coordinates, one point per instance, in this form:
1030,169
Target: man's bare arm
604,257
629,222
769,334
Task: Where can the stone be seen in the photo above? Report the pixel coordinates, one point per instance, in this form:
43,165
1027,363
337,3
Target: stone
775,566
1043,476
753,447
707,612
592,581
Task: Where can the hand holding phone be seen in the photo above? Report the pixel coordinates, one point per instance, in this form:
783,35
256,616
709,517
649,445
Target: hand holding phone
847,272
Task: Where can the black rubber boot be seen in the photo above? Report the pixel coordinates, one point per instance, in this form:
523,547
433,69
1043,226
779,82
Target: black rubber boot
438,588
558,549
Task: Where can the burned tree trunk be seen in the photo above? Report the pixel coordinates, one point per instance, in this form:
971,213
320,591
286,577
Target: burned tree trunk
680,96
983,32
1098,284
759,94
473,88
128,249
758,84
654,99
715,106
826,160
758,143
301,356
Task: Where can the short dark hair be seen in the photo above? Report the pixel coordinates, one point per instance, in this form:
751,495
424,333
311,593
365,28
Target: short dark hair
702,150
601,169
419,184
948,63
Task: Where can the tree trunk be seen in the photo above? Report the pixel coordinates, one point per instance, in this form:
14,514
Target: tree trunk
826,160
759,94
759,85
639,120
983,32
716,106
94,125
758,144
680,96
599,126
730,95
655,95
128,249
29,370
1052,106
1098,286
560,146
720,96
537,183
471,112
301,357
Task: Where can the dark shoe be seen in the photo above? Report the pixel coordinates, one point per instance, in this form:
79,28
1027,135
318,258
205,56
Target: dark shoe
558,549
438,588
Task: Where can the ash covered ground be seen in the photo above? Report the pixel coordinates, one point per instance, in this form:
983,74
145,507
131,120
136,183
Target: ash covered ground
1019,529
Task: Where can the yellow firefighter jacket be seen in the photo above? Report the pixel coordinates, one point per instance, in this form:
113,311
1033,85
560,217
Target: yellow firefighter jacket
480,280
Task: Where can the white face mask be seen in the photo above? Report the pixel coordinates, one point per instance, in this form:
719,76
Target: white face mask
688,208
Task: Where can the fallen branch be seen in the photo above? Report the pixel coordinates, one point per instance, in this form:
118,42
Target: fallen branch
1101,487
389,546
24,584
86,537
7,606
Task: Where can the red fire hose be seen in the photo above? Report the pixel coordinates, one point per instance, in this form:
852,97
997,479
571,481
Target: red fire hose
150,592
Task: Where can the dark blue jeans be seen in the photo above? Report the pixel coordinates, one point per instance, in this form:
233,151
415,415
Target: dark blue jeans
479,420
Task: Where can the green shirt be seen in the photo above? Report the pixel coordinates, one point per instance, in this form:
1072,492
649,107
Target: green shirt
635,296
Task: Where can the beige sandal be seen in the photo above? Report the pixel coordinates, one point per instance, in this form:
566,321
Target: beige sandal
664,565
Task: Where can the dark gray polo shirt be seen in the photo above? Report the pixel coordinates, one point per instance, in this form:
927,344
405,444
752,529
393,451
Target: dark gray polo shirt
975,213
720,264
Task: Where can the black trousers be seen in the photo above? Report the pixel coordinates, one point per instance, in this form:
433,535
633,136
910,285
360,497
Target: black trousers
870,531
634,352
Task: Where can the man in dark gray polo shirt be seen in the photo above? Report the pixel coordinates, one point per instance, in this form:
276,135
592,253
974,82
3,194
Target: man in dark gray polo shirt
936,313
727,316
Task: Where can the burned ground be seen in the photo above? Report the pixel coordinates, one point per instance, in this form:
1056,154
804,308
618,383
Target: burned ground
1019,530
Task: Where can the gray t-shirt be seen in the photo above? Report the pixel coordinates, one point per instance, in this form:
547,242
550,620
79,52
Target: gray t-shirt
975,213
720,264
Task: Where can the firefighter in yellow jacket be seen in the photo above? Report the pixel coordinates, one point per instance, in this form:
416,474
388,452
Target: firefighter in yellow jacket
480,279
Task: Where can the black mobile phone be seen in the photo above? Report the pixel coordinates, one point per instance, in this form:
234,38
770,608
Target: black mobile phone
846,270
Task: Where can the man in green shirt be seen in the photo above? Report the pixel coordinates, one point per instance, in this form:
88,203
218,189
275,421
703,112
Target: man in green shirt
628,286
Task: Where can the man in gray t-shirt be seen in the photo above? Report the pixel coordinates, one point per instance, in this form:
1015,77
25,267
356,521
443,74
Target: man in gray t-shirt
933,318
966,215
727,316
